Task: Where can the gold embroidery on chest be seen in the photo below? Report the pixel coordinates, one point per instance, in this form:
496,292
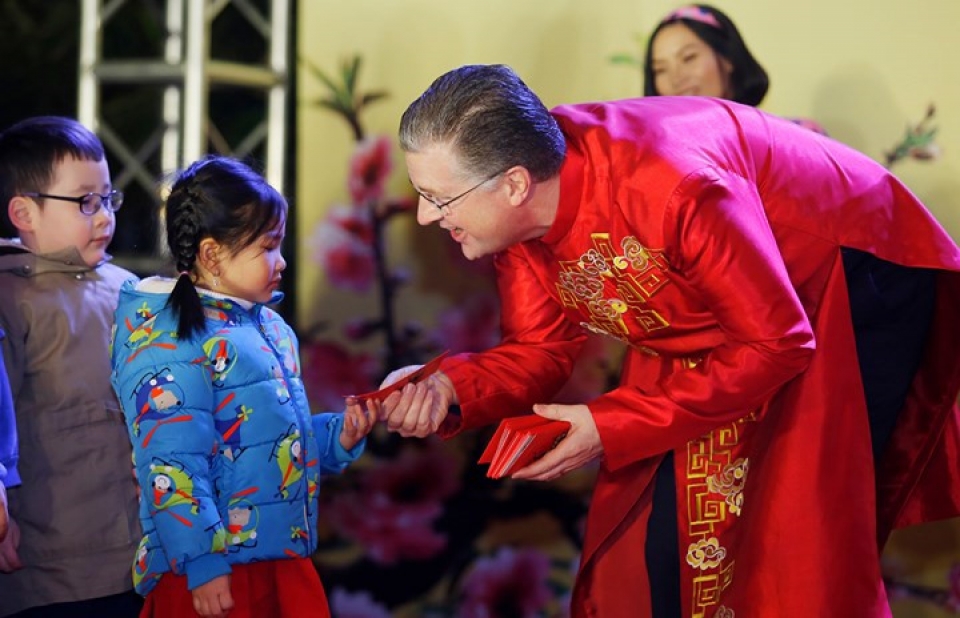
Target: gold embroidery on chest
607,282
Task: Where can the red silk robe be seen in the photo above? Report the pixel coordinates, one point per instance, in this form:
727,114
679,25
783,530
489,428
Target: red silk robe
707,237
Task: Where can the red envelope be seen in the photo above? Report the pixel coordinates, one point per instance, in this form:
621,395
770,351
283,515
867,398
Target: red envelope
520,440
413,377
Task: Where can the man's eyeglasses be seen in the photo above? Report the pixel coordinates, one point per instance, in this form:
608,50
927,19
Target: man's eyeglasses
90,203
441,205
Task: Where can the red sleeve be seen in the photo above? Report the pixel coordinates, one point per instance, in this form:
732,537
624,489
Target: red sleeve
534,359
721,248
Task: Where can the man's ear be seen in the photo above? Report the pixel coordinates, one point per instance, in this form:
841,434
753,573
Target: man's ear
519,182
21,212
208,255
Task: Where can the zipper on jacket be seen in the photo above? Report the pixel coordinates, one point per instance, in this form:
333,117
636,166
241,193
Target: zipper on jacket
303,422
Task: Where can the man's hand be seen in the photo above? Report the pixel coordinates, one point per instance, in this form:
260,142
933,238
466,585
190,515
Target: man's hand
418,409
213,599
580,446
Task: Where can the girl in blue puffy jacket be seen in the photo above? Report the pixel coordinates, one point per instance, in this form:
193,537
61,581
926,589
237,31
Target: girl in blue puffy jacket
227,453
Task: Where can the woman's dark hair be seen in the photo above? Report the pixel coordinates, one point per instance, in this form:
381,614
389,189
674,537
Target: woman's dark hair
220,198
748,80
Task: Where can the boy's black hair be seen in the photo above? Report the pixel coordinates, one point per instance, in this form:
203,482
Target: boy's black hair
30,151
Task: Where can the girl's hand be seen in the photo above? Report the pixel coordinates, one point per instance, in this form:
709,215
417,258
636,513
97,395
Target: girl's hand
213,599
357,421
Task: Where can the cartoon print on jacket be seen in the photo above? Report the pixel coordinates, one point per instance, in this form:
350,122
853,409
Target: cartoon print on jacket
228,426
242,519
158,397
145,336
172,487
289,454
283,393
286,349
143,568
222,355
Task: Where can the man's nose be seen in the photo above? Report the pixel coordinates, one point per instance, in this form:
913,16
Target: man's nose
427,212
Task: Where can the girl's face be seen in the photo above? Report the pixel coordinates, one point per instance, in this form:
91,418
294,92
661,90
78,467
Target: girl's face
254,272
684,65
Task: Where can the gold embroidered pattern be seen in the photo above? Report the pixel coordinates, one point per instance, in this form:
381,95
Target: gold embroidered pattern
724,612
729,484
707,590
609,286
705,554
716,476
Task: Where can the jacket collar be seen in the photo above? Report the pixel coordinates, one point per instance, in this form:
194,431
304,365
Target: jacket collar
165,285
17,259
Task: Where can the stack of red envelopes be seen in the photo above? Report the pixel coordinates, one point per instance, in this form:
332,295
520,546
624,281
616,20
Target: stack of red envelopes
519,440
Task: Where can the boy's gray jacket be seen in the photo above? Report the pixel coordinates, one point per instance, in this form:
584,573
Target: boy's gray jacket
77,505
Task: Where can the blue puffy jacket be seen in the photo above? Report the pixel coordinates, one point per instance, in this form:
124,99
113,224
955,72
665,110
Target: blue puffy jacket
227,454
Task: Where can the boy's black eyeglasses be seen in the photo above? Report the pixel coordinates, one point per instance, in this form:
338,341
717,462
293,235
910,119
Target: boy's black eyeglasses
90,203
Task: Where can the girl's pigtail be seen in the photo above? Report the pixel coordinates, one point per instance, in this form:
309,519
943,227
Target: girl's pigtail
186,304
183,238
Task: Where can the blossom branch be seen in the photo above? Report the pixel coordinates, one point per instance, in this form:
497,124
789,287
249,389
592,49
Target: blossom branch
917,143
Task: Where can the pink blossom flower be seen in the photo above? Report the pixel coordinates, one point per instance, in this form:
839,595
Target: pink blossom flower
343,245
331,372
400,204
359,328
393,511
370,166
511,583
345,604
926,152
471,326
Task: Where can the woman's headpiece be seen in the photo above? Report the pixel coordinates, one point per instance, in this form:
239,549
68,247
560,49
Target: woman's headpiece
693,13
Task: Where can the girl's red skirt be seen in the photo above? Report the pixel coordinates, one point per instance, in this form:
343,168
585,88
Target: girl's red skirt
275,589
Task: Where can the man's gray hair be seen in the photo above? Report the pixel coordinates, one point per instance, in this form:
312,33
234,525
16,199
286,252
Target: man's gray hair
490,119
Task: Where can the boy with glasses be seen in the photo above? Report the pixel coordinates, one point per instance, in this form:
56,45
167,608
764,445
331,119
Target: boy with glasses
73,521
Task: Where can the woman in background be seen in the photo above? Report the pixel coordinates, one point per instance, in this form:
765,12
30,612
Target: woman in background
697,50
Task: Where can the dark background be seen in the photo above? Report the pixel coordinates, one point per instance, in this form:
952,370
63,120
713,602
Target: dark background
39,75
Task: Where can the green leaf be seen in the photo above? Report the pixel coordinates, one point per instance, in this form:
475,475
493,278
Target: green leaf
351,73
627,59
371,97
320,75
